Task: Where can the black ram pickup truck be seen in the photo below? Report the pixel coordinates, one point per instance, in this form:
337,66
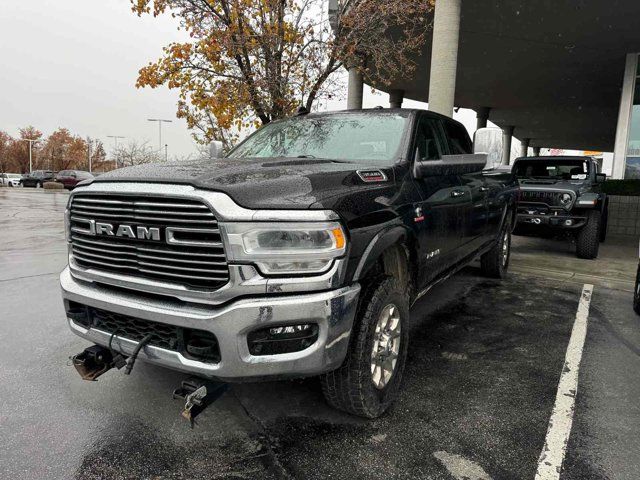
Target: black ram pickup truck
298,254
563,194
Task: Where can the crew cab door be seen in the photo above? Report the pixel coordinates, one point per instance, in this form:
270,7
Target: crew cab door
438,215
474,210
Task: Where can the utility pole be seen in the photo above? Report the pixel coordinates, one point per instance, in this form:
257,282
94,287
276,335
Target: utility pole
89,152
115,139
160,121
31,142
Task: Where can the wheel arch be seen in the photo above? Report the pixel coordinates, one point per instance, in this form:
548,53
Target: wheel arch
391,252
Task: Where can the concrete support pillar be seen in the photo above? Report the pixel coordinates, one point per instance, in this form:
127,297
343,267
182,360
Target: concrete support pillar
444,56
536,151
507,137
355,90
624,117
483,117
524,147
396,97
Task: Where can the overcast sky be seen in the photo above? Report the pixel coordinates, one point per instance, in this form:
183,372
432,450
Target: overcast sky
74,63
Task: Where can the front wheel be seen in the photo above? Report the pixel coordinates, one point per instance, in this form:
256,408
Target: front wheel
369,380
495,262
588,239
636,294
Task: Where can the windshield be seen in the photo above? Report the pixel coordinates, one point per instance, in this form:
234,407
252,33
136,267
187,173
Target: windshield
374,138
560,169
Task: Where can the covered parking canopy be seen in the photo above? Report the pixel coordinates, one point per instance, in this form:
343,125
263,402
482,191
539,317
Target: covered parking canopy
553,70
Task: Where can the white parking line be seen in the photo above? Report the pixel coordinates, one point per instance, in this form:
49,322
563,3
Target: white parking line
555,445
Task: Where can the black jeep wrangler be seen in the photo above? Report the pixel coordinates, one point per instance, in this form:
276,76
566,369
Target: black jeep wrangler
563,194
297,255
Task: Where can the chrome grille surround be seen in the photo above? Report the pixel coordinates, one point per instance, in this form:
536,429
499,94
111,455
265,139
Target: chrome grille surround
197,261
244,280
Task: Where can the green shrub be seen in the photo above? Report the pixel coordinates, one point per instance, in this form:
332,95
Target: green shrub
626,188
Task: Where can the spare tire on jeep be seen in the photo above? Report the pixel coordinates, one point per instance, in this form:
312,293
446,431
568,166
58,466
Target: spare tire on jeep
588,238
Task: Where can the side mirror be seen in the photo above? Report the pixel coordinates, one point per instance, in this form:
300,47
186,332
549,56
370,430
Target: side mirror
601,177
216,149
489,141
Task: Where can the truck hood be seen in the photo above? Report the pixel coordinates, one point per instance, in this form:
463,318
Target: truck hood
274,183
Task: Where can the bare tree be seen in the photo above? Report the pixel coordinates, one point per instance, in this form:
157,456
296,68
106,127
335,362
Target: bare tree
136,153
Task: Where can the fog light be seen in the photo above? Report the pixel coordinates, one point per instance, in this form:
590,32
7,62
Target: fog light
568,223
282,339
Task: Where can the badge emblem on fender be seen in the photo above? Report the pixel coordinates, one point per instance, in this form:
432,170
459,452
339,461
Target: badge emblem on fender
372,176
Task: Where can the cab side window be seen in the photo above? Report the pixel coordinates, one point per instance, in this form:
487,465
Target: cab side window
427,140
459,141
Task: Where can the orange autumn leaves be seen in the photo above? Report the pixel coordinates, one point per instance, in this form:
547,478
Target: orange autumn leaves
248,62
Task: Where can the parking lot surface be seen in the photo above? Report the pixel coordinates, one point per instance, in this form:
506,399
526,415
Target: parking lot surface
480,385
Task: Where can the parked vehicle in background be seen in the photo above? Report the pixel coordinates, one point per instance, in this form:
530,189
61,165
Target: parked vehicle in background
71,178
563,194
636,292
10,179
297,255
37,178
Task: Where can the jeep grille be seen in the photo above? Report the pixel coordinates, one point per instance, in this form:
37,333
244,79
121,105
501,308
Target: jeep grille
550,199
197,260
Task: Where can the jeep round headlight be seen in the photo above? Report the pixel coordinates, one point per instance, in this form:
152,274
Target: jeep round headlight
565,199
285,248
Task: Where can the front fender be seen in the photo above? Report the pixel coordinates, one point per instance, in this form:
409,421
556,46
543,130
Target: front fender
589,200
384,239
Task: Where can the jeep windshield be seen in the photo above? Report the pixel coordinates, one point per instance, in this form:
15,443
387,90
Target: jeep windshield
349,137
552,169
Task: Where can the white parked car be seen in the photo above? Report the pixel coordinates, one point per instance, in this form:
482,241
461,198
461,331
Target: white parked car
10,179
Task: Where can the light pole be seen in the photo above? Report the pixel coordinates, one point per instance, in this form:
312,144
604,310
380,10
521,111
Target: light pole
160,121
166,154
31,142
115,139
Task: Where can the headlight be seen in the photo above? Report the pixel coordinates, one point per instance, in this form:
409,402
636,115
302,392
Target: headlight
565,199
285,248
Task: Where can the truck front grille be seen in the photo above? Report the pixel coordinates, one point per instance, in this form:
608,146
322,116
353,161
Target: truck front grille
187,248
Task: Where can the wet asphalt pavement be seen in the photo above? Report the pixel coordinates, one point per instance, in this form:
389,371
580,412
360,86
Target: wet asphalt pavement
483,368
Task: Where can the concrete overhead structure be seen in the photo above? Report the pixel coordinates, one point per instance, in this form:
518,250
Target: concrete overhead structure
558,72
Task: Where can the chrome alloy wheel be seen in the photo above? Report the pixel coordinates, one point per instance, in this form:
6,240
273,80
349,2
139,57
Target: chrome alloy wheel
505,248
386,346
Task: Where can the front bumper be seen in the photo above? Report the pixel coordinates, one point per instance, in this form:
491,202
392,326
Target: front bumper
333,311
555,221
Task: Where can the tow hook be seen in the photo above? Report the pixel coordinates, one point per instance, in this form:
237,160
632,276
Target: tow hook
96,360
198,394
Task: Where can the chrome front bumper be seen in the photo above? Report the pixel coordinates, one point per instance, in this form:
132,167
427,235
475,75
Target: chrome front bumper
333,311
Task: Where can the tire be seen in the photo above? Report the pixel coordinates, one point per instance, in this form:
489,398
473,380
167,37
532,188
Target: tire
495,262
636,293
351,387
588,238
604,222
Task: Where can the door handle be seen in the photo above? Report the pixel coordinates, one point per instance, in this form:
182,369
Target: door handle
484,189
457,193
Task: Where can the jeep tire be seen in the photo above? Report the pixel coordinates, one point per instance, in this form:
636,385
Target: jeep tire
378,345
588,238
495,262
